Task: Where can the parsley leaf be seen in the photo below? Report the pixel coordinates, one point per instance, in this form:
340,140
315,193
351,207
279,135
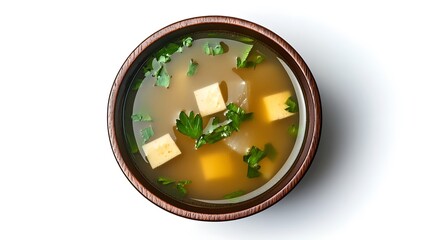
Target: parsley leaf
168,50
131,143
237,115
252,158
292,105
217,49
270,151
180,185
147,133
215,131
218,134
293,130
192,68
234,194
245,62
245,39
155,65
165,181
162,78
187,42
191,126
141,117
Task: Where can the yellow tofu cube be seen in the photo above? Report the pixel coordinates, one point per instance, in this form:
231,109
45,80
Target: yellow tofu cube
161,150
216,165
209,99
275,106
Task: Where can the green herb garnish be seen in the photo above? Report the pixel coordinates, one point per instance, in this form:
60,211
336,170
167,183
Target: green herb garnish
187,42
234,194
168,50
180,185
191,126
270,151
131,143
245,40
252,158
216,132
162,78
247,62
192,68
237,115
293,130
141,117
156,65
146,133
217,49
291,105
165,181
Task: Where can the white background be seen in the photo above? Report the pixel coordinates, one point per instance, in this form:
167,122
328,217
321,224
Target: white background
59,178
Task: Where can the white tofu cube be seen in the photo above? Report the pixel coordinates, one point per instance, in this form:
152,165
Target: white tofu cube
216,165
209,99
275,106
161,150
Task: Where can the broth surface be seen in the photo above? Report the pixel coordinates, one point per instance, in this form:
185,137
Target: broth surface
245,86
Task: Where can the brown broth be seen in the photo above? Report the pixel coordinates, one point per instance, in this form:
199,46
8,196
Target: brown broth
165,104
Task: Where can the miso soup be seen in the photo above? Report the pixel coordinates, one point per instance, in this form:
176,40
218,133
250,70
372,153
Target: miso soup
212,117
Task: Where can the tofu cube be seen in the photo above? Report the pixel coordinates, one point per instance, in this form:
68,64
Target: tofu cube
216,165
209,99
275,106
161,150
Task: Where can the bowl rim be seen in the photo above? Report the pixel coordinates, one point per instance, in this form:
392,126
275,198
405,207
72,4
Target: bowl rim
308,148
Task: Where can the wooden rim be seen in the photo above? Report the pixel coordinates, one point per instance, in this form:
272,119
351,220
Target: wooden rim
298,66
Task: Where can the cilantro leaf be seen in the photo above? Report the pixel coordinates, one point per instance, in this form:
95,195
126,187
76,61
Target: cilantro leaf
293,130
164,59
253,172
270,151
192,68
217,49
165,181
245,39
180,185
131,143
147,133
218,134
252,158
187,42
216,131
191,126
234,194
155,65
167,50
245,62
207,49
162,78
237,115
141,117
292,105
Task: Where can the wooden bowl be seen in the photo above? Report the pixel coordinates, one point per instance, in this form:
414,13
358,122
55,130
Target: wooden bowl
285,182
